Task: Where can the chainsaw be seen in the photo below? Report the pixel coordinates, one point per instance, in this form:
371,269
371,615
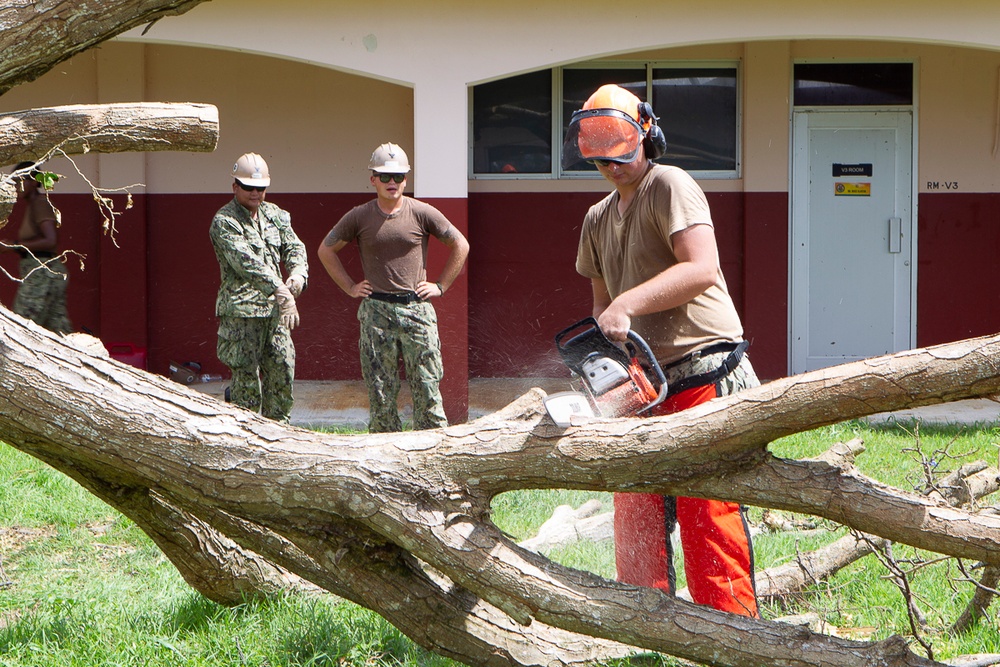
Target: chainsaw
616,382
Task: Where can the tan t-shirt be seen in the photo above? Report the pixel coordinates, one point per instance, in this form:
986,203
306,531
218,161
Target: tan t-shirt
393,247
628,250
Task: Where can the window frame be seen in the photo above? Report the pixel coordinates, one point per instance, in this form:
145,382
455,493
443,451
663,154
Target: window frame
558,119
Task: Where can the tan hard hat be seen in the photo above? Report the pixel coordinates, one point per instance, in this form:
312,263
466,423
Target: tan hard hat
250,169
389,159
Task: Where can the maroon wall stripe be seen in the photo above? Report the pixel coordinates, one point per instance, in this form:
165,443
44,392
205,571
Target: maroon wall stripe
765,283
958,272
519,288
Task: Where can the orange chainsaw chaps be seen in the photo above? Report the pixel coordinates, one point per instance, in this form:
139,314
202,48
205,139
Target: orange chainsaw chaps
718,556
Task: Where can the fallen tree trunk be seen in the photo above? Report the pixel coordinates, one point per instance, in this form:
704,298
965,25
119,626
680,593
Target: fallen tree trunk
363,516
400,523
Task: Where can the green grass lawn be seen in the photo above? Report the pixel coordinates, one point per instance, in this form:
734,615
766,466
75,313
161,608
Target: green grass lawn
80,585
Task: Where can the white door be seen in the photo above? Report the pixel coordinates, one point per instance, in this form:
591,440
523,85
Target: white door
852,273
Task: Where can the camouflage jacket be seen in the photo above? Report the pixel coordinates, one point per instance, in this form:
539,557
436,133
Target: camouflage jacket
251,253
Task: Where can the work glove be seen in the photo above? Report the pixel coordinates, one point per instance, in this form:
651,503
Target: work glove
295,284
287,311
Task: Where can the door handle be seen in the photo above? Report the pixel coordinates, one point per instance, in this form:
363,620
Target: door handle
895,235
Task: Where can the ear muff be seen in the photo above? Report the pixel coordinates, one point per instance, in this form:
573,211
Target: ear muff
655,142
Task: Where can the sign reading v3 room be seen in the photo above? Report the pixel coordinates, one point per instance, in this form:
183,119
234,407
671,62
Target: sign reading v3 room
852,273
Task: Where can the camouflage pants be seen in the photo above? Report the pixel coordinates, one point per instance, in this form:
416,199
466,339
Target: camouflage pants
261,356
390,331
42,295
742,377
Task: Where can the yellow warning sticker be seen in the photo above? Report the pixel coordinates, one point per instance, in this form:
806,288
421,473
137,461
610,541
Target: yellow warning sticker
852,189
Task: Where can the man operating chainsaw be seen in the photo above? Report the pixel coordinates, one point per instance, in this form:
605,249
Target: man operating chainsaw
650,253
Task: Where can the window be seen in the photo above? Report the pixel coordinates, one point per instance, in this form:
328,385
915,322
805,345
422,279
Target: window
853,84
697,110
513,120
512,125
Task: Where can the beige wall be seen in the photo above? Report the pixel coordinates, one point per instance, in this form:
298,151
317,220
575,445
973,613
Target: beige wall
956,106
440,47
320,123
315,126
959,116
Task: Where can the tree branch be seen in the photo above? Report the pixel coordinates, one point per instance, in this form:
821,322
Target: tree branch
35,134
39,134
34,40
412,495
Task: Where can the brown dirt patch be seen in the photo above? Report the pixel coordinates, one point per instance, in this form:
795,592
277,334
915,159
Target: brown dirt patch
13,538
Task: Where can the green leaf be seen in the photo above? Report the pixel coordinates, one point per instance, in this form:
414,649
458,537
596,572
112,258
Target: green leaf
47,179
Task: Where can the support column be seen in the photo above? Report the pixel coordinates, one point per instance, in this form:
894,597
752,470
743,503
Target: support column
765,210
440,177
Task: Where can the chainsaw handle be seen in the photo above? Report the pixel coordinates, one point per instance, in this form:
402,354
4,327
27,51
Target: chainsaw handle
583,328
638,341
587,337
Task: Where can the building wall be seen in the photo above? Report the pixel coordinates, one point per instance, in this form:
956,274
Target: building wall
154,284
955,140
316,112
440,47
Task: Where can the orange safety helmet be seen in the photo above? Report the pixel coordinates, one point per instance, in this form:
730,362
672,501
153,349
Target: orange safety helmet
612,125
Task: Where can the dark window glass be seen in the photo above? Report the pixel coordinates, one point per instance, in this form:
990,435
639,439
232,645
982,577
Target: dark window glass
697,111
853,84
512,118
512,125
579,84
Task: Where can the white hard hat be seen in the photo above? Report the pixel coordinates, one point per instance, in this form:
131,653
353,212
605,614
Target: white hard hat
389,159
250,169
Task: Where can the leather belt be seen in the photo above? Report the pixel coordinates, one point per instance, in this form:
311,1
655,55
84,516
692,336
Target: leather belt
395,297
705,351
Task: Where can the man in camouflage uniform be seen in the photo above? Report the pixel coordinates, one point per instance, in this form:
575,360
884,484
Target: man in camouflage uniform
41,296
392,232
256,309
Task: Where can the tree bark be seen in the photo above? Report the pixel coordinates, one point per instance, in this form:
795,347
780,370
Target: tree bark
37,36
400,522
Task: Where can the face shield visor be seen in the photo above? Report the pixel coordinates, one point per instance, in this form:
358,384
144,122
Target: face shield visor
601,134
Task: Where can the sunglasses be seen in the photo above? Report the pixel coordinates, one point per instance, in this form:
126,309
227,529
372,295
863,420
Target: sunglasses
251,188
604,163
398,178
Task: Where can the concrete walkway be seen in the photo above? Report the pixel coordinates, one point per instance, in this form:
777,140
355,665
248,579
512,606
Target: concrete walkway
345,403
979,411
